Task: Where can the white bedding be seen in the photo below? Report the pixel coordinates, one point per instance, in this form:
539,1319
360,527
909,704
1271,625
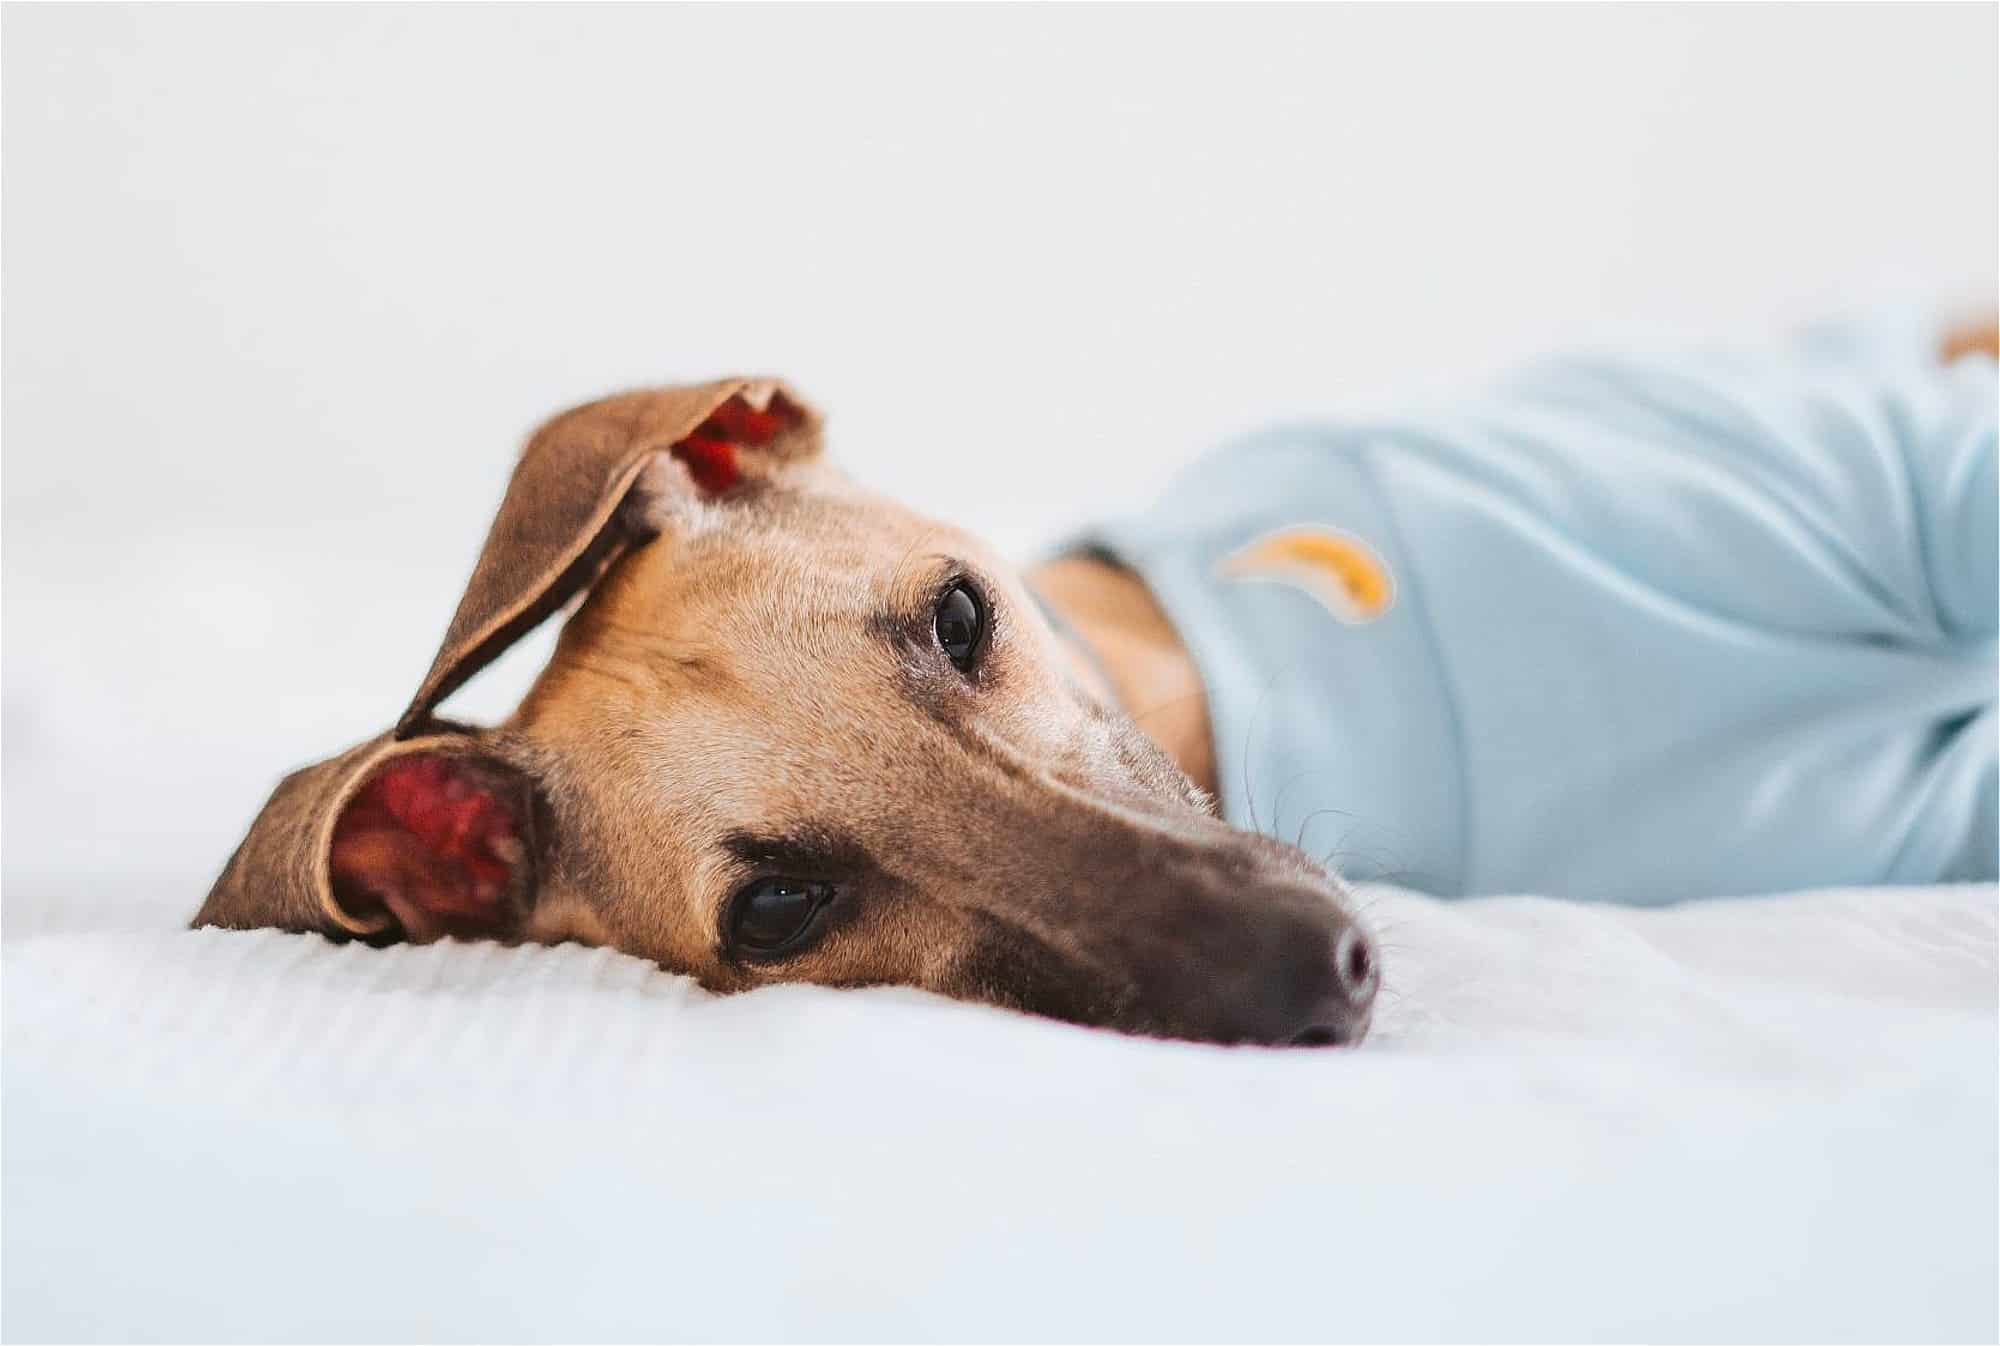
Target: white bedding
1758,1119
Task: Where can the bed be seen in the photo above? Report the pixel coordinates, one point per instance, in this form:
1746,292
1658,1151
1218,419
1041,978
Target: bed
1768,1118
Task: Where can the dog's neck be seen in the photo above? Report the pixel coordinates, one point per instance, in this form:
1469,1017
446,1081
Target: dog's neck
1131,654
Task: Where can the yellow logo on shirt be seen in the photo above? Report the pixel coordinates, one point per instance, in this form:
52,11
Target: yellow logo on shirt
1336,568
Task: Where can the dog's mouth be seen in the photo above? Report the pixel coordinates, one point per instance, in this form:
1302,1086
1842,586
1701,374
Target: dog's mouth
1346,1034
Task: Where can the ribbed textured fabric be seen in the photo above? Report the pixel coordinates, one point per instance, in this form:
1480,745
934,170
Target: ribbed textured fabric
1746,1119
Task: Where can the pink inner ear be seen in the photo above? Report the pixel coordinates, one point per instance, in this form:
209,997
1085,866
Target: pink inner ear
711,462
736,419
710,452
431,840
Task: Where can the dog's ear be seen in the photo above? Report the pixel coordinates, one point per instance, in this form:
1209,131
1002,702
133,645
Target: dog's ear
428,830
413,838
561,522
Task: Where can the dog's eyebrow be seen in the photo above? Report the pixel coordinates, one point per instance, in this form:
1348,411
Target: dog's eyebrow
906,618
808,851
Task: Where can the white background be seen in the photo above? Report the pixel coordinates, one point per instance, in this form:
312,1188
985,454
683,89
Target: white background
285,286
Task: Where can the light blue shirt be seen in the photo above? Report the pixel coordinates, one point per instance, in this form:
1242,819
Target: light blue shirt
1627,628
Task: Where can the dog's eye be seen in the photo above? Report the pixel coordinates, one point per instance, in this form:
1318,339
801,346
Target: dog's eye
774,916
961,625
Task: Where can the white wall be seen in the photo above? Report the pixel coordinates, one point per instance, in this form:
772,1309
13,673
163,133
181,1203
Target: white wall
284,286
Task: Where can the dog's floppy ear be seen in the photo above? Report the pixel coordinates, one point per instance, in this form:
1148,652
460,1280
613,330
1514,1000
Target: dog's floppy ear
419,837
428,830
560,524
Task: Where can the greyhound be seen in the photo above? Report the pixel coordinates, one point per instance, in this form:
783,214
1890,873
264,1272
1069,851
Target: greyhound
795,732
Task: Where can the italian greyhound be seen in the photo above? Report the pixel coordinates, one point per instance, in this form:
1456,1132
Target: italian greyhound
795,732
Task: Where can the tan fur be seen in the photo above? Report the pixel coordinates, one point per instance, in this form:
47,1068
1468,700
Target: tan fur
713,654
1138,650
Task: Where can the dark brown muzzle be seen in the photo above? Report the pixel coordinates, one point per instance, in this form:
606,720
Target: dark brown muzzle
1184,931
1277,963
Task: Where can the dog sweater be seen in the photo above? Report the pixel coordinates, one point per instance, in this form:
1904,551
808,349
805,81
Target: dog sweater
1634,628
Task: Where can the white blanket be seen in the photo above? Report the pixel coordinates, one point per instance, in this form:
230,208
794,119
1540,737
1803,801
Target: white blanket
1749,1119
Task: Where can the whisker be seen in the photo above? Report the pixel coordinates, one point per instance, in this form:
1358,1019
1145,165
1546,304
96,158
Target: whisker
1316,814
1249,736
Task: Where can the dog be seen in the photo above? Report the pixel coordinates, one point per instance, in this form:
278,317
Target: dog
795,732
1632,629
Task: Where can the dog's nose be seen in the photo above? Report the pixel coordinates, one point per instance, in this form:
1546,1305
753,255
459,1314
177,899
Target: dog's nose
1354,967
1342,1014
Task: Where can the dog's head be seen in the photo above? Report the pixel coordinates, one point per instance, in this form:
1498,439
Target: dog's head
794,732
